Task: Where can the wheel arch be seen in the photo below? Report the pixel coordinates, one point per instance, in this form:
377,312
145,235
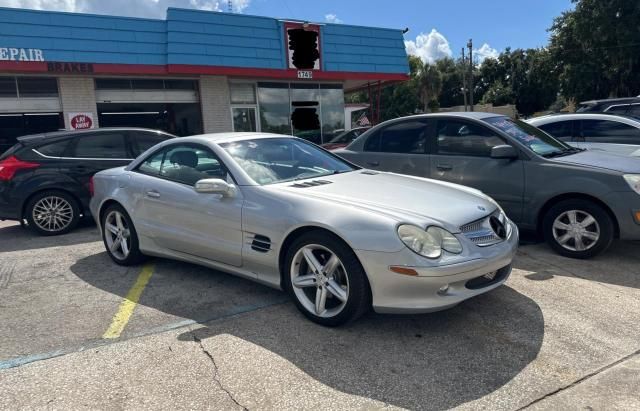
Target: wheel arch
103,207
27,199
575,196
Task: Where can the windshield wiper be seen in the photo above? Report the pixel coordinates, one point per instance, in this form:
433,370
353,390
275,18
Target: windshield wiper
564,152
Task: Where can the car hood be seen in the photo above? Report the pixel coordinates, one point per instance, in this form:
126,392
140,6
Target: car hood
404,198
602,159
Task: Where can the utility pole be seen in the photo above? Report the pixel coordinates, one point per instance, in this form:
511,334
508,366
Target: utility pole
470,45
464,80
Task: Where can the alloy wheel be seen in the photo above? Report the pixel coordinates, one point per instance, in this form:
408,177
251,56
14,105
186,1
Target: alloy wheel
117,235
319,280
576,230
52,213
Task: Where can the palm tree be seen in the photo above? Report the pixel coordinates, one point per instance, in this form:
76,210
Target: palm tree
429,82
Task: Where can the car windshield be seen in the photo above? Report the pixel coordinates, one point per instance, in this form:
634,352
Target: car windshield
537,140
347,136
276,160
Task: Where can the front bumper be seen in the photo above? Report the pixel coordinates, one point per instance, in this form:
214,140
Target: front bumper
397,293
624,205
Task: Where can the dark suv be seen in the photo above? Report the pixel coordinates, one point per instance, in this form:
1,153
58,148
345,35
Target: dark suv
629,106
45,179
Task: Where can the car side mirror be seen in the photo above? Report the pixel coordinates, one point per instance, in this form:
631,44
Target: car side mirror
214,186
504,151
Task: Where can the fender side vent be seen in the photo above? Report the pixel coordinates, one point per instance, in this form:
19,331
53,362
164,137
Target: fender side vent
369,173
261,243
312,183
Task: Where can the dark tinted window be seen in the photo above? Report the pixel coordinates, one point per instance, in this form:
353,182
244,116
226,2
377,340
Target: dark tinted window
404,137
57,149
142,140
101,145
618,109
634,110
8,87
560,129
373,142
37,87
184,164
147,84
180,84
112,84
607,131
468,139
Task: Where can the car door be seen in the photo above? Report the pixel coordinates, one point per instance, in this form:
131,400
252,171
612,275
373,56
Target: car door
178,218
92,152
461,154
399,147
609,135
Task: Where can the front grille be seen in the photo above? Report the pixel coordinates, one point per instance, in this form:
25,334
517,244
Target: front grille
481,233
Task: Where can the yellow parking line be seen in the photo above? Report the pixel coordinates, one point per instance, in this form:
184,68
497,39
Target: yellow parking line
121,318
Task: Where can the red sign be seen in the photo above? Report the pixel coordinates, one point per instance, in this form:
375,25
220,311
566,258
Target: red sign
80,121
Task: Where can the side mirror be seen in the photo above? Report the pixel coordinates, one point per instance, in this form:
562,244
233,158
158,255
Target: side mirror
214,186
504,151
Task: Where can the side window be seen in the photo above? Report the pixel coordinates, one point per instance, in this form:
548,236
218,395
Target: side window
373,142
141,141
404,137
606,131
634,110
560,129
465,139
57,149
101,145
184,163
617,109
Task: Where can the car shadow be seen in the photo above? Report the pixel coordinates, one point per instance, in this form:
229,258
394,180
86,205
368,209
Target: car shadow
619,265
17,238
443,359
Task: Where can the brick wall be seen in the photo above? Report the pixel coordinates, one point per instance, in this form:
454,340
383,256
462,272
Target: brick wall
78,95
214,97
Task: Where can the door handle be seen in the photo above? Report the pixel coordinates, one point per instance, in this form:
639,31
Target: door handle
444,167
373,163
152,194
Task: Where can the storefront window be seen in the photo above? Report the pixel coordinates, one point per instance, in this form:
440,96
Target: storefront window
274,107
242,93
37,87
181,119
244,118
8,87
332,100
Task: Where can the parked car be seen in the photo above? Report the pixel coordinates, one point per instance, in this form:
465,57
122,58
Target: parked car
345,138
628,105
595,131
44,178
284,212
580,200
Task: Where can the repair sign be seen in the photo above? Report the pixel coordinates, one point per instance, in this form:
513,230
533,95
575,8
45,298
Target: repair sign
81,121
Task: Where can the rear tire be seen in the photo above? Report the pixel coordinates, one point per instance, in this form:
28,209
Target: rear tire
120,237
578,228
326,280
52,212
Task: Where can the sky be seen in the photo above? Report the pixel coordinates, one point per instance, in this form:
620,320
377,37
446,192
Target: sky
436,28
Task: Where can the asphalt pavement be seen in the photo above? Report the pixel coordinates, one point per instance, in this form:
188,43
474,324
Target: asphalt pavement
81,332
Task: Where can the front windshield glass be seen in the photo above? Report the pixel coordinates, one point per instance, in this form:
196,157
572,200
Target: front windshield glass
276,160
537,140
347,136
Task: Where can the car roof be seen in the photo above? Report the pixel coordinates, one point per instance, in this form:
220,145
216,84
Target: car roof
32,138
474,115
610,100
550,118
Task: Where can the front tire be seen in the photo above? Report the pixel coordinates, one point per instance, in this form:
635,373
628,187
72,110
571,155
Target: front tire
120,237
578,228
52,212
326,280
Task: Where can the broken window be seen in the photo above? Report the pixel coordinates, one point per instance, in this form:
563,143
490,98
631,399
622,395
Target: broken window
303,49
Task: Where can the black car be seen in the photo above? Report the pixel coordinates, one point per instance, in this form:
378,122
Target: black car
45,179
629,106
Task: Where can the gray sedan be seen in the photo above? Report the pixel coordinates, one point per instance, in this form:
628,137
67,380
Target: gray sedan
580,200
288,214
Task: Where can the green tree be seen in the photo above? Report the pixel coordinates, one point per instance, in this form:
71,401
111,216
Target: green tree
429,85
451,91
597,48
498,94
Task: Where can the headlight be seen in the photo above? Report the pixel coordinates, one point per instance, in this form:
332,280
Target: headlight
429,243
634,181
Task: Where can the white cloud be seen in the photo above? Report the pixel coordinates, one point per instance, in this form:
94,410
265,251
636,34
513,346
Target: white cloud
134,8
332,18
429,47
485,52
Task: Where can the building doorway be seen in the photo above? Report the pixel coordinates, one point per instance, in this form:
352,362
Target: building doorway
181,119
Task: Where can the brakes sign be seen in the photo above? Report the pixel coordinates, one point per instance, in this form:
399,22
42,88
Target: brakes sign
80,121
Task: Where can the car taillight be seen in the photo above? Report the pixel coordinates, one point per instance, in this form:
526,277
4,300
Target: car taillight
11,164
91,191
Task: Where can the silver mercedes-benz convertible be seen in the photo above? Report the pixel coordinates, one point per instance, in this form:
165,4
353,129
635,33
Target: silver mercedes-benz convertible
279,210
